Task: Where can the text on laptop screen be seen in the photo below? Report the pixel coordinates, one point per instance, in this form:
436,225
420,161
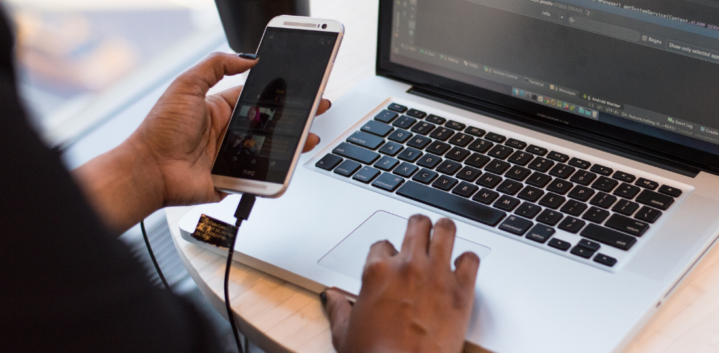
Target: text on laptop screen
650,66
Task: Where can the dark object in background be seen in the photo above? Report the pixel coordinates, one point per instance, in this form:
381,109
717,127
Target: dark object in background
244,21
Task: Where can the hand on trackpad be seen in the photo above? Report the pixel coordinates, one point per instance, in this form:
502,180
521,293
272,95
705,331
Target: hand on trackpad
349,256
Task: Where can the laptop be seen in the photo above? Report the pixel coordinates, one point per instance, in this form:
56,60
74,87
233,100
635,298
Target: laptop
574,143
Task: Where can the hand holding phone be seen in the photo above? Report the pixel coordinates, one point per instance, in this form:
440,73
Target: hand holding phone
274,113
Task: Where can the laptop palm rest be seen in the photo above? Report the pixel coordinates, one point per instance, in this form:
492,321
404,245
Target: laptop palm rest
348,257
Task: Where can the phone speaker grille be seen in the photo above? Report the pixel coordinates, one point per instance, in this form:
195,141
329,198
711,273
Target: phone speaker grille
300,24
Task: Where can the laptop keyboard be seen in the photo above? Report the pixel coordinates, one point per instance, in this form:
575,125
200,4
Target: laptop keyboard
520,188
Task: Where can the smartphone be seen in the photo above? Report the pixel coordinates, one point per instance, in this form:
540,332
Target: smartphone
274,112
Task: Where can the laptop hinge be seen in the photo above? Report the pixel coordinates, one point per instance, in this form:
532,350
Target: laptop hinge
599,142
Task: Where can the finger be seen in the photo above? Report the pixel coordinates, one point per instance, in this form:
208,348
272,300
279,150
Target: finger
231,95
212,69
325,105
416,238
380,251
440,247
467,266
312,141
339,311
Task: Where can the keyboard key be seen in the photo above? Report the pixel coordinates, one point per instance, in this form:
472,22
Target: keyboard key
582,251
485,196
520,158
436,119
465,189
648,214
520,145
438,148
449,167
455,125
477,160
429,161
559,157
480,146
605,184
400,135
398,108
388,182
537,150
475,131
627,225
579,163
497,166
416,113
425,176
452,203
624,177
442,133
347,168
419,142
589,244
625,207
627,191
651,198
608,236
423,128
409,155
365,140
366,174
540,233
386,116
469,174
581,193
500,152
647,184
404,122
562,171
510,187
605,260
528,210
377,128
596,215
518,173
552,201
549,217
574,208
541,164
516,225
560,186
603,200
495,137
328,162
506,203
559,244
386,163
391,148
538,179
583,177
461,140
489,180
444,183
571,224
668,190
353,152
405,169
457,154
530,194
602,170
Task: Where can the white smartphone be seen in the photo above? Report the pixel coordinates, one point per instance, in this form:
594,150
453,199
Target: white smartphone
274,112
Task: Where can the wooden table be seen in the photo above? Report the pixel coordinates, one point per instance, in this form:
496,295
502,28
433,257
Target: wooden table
281,317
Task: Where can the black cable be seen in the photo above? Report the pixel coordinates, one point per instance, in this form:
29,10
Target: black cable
152,256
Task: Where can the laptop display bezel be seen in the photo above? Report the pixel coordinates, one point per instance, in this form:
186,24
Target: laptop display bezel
627,140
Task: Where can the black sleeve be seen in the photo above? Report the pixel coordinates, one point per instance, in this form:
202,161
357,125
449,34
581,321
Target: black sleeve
66,284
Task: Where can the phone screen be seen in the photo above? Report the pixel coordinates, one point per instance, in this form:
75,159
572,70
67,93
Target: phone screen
275,104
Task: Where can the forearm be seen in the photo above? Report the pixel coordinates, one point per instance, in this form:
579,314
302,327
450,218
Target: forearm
123,185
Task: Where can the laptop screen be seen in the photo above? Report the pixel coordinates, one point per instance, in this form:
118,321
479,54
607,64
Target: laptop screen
649,66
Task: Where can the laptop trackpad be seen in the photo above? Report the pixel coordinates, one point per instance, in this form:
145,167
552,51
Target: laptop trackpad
349,256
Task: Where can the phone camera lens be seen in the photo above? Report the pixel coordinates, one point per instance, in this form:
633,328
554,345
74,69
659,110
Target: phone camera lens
324,26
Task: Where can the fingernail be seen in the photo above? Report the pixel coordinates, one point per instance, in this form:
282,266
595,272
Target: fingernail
248,56
323,298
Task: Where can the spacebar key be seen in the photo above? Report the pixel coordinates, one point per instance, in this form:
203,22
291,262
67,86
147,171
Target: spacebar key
448,202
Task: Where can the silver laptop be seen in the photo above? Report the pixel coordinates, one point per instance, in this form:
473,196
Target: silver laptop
575,144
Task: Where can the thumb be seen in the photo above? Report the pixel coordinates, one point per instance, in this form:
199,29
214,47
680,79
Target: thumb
339,311
212,69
